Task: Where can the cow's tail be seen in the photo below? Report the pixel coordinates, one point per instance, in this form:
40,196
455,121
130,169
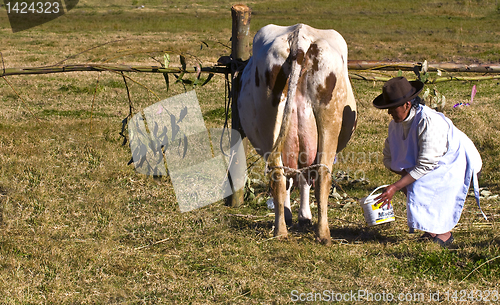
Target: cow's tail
296,57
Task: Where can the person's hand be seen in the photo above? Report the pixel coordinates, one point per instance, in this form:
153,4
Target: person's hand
386,196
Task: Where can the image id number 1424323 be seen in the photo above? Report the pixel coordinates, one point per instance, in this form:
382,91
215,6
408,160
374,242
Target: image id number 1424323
14,7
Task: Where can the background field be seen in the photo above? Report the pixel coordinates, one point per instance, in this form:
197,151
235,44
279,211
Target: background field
77,225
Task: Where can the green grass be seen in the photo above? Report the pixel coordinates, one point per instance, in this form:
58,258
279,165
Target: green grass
77,225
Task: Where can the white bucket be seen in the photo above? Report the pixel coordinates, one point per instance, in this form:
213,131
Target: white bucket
375,215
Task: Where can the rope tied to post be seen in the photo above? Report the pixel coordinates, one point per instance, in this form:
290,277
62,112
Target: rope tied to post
237,66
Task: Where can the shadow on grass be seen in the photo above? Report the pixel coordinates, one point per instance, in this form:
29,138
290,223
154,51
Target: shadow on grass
362,234
257,226
351,234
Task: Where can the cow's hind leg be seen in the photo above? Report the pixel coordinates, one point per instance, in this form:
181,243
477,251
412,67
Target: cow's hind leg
279,192
322,189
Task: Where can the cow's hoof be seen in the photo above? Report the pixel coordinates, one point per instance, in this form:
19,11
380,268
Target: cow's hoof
305,223
325,241
324,237
282,235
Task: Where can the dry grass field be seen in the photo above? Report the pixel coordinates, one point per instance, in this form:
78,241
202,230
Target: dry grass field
80,226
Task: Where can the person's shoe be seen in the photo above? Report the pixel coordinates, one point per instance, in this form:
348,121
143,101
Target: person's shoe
444,243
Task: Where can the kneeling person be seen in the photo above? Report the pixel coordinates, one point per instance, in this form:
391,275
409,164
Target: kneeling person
435,159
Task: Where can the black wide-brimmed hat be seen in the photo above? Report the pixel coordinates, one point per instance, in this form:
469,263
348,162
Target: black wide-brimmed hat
396,92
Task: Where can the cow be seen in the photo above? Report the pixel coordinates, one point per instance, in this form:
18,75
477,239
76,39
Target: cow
297,108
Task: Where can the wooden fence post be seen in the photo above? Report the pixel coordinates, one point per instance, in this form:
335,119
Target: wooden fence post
240,53
241,28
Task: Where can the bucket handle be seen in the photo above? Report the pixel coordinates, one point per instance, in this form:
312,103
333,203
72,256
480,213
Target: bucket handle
378,189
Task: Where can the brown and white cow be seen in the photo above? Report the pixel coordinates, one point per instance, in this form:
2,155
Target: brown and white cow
297,108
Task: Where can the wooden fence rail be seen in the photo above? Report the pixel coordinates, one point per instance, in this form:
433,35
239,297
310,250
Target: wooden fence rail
354,67
108,67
